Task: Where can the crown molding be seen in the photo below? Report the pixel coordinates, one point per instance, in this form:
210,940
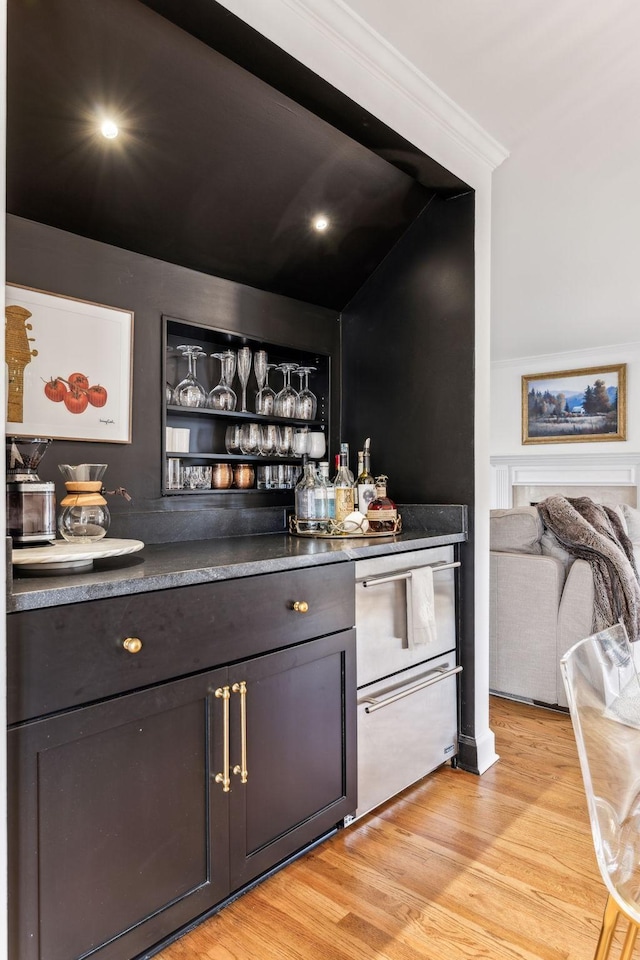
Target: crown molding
580,357
382,74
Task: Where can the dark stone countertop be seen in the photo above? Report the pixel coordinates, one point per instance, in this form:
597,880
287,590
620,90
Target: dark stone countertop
164,565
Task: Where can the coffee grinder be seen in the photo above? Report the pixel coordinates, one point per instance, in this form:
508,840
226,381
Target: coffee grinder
31,502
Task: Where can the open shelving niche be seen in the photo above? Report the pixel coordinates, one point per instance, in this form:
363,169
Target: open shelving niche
207,427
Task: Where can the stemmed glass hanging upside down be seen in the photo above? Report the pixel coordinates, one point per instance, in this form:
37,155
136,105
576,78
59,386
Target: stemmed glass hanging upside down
222,397
244,369
189,392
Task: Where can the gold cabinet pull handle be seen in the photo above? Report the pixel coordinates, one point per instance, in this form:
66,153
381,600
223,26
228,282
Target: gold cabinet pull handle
222,693
301,606
132,645
241,768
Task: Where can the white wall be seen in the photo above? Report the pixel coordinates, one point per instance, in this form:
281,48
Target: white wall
506,406
566,244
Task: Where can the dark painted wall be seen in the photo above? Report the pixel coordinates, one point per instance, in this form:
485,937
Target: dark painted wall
408,378
53,260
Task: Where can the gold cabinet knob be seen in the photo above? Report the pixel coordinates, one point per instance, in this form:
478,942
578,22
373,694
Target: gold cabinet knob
132,645
301,606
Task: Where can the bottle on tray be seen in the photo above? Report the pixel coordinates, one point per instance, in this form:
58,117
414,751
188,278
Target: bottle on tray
343,486
365,484
323,476
310,500
382,513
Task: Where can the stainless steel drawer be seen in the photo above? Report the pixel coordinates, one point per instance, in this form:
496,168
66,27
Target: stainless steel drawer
407,726
384,642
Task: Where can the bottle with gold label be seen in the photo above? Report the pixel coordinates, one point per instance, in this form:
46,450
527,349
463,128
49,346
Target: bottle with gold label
343,486
382,513
365,484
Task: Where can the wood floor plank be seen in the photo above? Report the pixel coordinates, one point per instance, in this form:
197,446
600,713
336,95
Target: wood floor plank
458,867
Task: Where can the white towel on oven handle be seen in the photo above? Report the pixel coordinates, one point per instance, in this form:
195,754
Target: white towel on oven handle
421,608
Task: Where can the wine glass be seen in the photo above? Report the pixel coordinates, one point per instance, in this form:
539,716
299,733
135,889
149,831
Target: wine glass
307,403
189,392
286,400
268,439
250,438
284,441
244,369
232,438
265,398
301,441
223,397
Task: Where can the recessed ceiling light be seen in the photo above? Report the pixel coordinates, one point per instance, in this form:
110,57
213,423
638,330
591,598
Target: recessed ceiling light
321,223
109,129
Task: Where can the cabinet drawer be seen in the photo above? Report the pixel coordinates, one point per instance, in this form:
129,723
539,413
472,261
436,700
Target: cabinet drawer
64,656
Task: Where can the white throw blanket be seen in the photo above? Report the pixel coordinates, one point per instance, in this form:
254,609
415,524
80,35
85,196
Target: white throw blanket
421,608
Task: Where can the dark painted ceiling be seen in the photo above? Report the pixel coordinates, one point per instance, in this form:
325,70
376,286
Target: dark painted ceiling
216,168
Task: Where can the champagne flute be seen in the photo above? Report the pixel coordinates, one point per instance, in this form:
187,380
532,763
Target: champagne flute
260,371
244,369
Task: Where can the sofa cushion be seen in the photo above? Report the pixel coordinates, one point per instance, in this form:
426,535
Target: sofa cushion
631,521
517,530
551,547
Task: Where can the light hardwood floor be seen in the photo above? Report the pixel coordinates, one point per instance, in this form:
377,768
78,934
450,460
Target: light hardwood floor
457,867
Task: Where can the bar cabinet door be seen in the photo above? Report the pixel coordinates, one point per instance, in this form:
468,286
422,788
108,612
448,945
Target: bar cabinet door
118,831
295,746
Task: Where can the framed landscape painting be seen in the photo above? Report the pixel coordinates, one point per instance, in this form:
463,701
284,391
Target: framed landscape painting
575,405
68,367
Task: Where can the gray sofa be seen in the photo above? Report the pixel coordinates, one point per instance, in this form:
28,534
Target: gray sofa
541,603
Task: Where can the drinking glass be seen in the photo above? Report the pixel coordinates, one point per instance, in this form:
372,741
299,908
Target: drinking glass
250,439
301,441
222,397
232,438
263,476
287,399
285,441
197,478
307,403
265,397
317,445
268,439
260,371
189,392
244,369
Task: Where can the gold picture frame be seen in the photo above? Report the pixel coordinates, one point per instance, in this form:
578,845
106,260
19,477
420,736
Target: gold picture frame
575,406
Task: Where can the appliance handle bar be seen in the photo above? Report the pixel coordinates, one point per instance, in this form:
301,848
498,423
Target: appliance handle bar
442,674
406,574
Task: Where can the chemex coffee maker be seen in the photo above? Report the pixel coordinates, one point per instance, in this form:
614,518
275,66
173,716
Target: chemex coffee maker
31,502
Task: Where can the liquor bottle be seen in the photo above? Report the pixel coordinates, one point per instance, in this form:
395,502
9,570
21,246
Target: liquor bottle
365,484
344,449
343,485
355,489
323,473
382,513
305,498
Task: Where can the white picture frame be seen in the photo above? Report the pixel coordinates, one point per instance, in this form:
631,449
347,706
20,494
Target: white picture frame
69,367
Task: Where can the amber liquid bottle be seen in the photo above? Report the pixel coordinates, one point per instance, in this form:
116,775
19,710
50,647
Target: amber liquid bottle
382,513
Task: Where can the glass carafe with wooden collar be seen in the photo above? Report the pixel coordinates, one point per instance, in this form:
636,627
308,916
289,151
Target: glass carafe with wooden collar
85,516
